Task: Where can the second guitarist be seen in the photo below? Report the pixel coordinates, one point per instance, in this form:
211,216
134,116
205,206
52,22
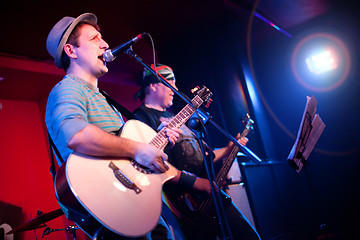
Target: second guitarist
187,157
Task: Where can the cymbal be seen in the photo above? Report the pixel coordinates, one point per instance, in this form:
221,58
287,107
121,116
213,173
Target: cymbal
37,222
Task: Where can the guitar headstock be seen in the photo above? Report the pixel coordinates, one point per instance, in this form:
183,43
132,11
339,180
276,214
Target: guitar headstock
204,93
248,122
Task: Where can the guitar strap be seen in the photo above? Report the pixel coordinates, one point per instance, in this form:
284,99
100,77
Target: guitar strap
123,110
53,149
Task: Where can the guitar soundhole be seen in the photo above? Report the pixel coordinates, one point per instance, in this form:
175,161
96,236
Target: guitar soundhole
141,168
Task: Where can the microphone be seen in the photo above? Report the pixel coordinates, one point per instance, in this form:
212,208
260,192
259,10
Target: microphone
111,54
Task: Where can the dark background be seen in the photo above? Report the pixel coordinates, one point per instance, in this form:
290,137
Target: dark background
248,66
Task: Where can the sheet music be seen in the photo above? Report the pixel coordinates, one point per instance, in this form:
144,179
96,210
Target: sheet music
309,132
318,127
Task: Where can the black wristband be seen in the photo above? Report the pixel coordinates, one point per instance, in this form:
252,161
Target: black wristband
187,179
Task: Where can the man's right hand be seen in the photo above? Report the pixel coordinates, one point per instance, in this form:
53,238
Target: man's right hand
151,157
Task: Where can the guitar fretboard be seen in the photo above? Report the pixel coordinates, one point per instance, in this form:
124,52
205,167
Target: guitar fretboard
206,205
160,140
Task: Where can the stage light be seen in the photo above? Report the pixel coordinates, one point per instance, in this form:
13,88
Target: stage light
321,62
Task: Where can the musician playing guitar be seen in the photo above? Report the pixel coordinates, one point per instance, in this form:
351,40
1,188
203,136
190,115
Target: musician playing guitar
78,117
187,157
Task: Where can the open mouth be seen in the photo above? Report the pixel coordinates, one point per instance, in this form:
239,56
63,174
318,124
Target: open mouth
102,59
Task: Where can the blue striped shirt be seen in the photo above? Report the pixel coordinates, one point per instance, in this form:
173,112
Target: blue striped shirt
72,105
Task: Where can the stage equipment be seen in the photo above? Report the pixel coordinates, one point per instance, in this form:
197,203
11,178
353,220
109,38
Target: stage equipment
37,222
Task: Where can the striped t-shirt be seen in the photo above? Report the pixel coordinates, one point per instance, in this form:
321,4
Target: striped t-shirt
72,105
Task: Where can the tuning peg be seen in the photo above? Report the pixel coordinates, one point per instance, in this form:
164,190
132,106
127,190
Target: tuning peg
208,102
195,89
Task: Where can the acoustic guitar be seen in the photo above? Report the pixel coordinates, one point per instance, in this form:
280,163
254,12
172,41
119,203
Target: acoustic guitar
120,195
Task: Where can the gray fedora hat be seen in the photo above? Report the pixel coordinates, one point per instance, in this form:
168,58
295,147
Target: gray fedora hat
60,33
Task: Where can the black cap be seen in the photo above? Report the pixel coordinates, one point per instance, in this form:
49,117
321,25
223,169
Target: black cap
149,78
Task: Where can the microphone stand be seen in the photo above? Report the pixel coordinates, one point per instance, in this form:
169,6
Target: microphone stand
199,129
216,195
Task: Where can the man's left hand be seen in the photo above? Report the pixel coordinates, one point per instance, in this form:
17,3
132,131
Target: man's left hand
172,133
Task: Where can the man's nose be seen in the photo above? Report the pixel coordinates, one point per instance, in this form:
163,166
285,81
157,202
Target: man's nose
104,44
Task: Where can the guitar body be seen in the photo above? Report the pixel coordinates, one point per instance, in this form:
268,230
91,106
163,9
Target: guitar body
91,184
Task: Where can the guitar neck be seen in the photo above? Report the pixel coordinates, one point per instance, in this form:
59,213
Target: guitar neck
225,168
160,140
205,206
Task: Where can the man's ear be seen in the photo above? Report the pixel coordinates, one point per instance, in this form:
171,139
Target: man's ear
153,87
70,50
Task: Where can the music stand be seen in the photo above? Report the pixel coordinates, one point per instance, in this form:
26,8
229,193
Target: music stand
309,132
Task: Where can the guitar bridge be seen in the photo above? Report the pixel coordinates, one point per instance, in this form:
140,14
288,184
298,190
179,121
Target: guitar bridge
124,179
